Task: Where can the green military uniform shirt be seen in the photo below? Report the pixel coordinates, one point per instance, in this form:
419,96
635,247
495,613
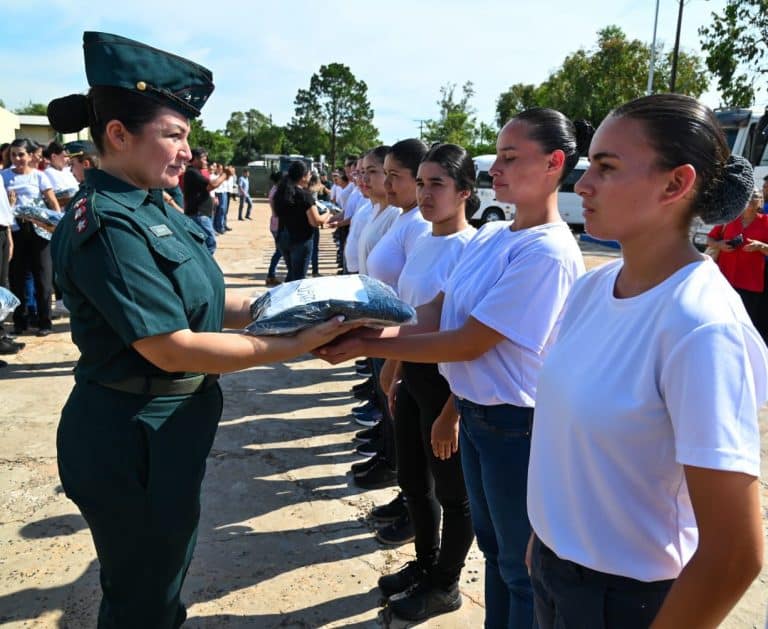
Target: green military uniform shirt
131,268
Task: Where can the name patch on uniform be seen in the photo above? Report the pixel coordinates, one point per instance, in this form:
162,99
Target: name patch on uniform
160,230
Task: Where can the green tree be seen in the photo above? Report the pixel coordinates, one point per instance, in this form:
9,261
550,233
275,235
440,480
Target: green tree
32,109
517,98
589,84
220,148
735,44
335,106
456,123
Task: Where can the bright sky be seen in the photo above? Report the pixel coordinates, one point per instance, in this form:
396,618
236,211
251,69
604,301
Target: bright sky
261,53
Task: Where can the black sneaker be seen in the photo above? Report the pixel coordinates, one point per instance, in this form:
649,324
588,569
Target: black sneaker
425,600
361,362
358,469
369,434
398,533
379,476
408,576
369,406
371,448
391,511
366,384
9,346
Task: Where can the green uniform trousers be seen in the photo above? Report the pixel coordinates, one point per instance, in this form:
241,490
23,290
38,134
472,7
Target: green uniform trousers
133,465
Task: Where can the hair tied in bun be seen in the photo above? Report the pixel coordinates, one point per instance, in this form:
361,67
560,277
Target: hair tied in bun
734,191
68,114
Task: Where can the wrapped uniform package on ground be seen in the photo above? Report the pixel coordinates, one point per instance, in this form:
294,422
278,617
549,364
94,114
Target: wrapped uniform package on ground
293,306
38,214
8,303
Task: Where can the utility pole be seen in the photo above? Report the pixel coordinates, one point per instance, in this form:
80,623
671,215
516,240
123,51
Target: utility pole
649,89
421,127
676,51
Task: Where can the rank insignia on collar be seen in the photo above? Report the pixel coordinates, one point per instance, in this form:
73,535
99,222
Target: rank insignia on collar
79,212
81,225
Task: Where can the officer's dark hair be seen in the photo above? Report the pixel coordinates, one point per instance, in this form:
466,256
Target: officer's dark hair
409,153
275,177
458,165
379,153
553,131
72,113
54,148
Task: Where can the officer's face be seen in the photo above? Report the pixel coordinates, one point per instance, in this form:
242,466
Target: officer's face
157,154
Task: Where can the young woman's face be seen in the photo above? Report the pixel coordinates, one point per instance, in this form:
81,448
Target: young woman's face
522,170
436,193
399,183
20,158
622,187
157,153
373,178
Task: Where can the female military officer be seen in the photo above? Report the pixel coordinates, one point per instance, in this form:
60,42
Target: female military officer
147,305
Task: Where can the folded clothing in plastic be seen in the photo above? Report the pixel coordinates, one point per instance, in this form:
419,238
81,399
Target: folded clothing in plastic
39,214
8,302
294,306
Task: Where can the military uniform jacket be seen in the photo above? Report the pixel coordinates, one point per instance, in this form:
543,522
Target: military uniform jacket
129,268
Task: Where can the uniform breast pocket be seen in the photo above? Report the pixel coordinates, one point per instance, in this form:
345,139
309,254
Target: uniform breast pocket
178,263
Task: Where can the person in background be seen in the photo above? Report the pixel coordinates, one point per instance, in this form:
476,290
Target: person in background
765,194
243,191
274,226
58,171
743,245
31,244
198,204
297,215
82,156
222,199
318,191
643,484
7,344
231,190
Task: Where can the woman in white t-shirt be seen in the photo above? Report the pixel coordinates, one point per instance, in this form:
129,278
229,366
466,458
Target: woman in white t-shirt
643,484
383,214
428,473
31,244
497,315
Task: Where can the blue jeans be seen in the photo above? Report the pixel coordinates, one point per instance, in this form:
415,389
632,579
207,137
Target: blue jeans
296,254
220,215
244,198
206,225
495,444
275,258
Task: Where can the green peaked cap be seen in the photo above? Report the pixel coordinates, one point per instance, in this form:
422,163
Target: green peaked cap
114,61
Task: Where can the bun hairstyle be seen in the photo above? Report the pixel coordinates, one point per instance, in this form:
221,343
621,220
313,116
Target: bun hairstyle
554,131
70,114
683,131
458,165
409,154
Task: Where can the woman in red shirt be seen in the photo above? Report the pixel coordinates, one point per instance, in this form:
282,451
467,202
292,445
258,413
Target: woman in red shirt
743,245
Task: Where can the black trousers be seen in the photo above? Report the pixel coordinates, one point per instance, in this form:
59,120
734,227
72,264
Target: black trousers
31,253
387,422
568,595
429,483
5,250
756,305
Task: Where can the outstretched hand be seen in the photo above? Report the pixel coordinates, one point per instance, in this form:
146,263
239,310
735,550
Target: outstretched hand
324,333
348,346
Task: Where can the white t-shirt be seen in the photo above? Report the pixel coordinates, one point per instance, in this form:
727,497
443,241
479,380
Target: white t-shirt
6,214
29,190
335,195
632,390
62,181
387,259
373,231
354,201
515,282
359,221
429,265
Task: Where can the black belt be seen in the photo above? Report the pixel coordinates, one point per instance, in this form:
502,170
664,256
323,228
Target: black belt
147,385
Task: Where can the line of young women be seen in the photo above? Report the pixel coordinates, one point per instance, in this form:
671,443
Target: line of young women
644,459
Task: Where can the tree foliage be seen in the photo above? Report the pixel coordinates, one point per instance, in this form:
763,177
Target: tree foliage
253,134
333,116
590,83
456,121
32,109
220,148
735,44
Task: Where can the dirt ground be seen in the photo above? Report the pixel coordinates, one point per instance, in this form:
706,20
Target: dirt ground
284,540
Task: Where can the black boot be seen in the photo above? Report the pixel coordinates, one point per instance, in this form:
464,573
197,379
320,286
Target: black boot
424,600
408,576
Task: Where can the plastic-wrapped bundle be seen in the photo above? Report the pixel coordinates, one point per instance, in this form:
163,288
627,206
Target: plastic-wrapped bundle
8,303
327,206
294,306
38,214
